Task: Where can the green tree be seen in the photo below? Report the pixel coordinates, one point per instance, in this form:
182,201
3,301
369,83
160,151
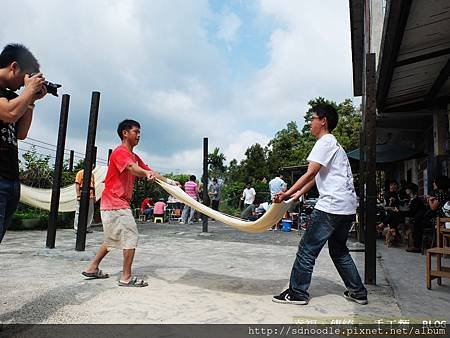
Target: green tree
234,172
216,161
349,125
281,149
254,167
35,170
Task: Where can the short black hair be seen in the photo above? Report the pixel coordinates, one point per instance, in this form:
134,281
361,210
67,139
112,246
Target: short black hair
441,182
19,53
327,110
126,125
192,178
413,187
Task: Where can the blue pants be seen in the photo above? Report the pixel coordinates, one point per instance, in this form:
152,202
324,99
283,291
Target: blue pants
148,213
187,212
334,229
9,199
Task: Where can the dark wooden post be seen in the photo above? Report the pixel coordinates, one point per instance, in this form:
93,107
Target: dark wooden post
88,161
94,156
54,204
371,193
205,181
362,185
72,154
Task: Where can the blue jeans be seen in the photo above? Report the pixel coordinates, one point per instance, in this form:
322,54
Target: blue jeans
9,199
148,213
334,229
187,212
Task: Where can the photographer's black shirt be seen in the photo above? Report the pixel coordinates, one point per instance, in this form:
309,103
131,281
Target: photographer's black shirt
9,161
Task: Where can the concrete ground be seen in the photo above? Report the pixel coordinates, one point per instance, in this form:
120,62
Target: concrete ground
225,277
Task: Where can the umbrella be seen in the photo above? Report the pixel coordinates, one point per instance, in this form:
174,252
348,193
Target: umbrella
386,153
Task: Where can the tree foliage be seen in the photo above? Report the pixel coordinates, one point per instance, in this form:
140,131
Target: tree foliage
216,161
35,170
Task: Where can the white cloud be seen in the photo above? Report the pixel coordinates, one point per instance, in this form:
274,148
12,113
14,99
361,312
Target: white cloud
310,56
237,147
154,61
229,26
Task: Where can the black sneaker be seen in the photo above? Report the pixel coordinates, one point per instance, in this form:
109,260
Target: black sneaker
352,298
287,298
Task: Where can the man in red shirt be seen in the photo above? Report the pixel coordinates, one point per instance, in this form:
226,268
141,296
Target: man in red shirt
147,207
119,227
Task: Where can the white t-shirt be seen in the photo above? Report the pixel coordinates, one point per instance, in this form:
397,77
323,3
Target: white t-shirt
334,180
276,185
249,195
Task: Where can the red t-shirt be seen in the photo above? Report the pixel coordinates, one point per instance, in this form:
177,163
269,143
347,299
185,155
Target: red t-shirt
119,181
146,204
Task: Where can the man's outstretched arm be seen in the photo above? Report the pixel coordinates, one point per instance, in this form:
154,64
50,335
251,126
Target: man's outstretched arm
302,182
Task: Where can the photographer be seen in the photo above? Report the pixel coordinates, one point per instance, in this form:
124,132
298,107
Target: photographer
16,112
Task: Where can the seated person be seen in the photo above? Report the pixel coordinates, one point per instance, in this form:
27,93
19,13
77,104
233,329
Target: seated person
438,197
391,197
393,215
159,209
248,211
415,209
147,207
402,195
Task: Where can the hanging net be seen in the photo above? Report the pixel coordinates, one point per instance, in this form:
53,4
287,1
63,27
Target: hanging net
41,198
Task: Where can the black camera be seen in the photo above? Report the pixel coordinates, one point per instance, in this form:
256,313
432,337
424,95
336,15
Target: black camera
52,88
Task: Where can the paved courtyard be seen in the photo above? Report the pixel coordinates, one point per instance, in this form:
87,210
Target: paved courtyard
225,277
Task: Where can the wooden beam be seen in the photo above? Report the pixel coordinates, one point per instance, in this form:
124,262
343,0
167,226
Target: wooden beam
423,57
357,38
440,102
440,81
396,18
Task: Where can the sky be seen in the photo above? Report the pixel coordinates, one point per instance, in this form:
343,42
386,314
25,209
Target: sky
235,71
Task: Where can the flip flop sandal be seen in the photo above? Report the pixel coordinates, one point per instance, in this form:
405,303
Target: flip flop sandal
98,274
134,282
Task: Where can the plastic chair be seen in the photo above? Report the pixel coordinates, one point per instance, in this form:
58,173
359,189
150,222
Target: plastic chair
158,218
175,215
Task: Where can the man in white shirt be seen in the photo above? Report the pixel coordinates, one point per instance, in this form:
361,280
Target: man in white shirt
248,195
333,214
277,185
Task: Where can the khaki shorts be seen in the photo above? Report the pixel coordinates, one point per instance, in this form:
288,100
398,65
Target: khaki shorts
119,229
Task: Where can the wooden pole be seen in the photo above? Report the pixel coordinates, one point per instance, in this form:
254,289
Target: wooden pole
371,189
205,181
56,186
88,162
